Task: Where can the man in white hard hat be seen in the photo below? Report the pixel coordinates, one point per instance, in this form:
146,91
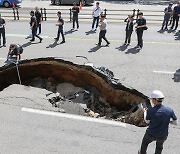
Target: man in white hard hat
158,118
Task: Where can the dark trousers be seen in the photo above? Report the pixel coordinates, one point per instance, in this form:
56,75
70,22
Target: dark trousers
2,32
60,31
102,35
95,19
175,19
39,27
165,22
34,34
148,139
139,37
128,36
75,19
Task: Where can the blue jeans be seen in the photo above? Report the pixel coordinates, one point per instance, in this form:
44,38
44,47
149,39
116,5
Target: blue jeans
148,139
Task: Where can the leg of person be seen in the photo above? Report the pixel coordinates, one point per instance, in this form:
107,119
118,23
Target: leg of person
39,28
140,39
94,20
166,23
177,20
126,37
159,146
33,35
129,37
58,35
4,37
104,37
173,22
97,22
145,142
77,22
100,37
163,24
63,38
73,22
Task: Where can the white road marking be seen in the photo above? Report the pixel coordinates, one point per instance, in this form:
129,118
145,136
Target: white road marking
3,59
166,72
76,117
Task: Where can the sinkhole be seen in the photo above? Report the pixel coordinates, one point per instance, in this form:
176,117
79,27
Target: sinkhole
95,90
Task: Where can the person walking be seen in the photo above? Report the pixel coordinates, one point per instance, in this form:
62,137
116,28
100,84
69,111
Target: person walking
129,29
103,29
75,11
167,14
38,18
60,25
2,31
176,14
33,24
140,27
97,11
159,117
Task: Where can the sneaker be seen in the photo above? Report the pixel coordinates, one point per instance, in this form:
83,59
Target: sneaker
98,44
95,29
63,42
77,29
125,43
107,44
40,40
32,40
56,39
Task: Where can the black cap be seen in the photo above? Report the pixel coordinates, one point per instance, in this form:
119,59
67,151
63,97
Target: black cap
170,3
32,12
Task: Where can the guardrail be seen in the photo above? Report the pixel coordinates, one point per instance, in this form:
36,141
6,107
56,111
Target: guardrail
86,14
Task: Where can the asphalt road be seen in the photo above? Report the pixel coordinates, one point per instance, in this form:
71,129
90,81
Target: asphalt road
151,68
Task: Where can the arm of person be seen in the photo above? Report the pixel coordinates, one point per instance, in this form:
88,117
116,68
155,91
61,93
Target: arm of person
17,57
174,119
146,118
166,11
125,20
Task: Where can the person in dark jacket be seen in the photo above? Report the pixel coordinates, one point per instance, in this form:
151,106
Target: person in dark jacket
14,50
38,18
33,24
140,27
75,11
176,14
60,27
2,31
167,14
159,117
129,29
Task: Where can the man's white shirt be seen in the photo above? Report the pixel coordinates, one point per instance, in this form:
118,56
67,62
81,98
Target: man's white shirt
97,11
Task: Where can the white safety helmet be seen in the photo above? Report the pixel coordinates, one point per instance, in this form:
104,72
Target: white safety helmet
157,94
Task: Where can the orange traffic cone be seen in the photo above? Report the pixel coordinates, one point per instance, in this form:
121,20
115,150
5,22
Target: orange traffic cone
80,6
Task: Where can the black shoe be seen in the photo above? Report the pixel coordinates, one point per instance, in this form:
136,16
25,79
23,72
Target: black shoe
98,44
56,39
4,45
39,33
62,42
32,40
107,44
40,40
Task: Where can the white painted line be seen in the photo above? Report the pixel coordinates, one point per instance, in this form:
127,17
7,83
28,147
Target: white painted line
76,117
166,72
2,58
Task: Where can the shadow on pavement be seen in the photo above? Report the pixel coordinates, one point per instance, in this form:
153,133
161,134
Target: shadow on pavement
122,47
90,32
177,36
53,45
26,44
69,32
176,77
94,49
133,51
171,31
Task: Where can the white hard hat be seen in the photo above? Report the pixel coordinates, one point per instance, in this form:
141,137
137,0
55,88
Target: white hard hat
157,94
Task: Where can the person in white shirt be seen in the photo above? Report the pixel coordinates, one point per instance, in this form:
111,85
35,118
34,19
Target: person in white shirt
102,33
97,11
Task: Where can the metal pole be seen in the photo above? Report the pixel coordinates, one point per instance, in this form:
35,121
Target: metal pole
18,73
105,12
